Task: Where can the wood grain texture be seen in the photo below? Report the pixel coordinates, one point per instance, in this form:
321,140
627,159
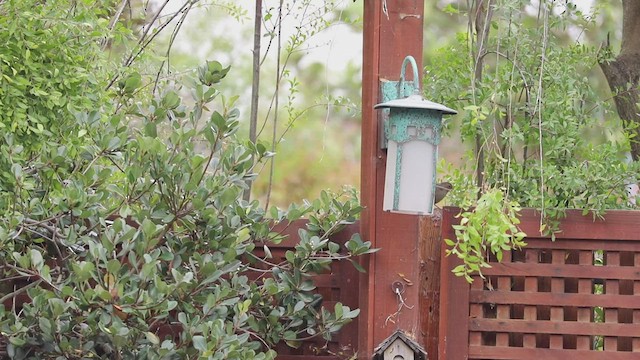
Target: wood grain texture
391,32
429,303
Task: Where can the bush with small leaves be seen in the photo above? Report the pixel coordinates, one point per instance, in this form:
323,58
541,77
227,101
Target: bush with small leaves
134,242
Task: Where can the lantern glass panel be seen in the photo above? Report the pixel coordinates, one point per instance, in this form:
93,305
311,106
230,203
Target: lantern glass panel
409,178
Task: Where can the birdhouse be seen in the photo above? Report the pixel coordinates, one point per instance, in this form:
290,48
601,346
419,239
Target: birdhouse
399,347
411,135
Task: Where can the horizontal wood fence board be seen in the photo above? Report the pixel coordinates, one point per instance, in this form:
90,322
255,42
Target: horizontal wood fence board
553,299
497,353
554,327
581,244
619,225
564,271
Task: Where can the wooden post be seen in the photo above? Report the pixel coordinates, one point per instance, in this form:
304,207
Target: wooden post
430,255
392,30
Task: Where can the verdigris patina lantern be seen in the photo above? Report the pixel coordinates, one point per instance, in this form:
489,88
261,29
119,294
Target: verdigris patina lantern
412,134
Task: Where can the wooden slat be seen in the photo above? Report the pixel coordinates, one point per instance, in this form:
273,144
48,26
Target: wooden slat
475,312
618,224
530,287
625,288
579,244
504,284
611,314
562,270
497,353
454,300
430,246
549,299
635,342
611,318
571,286
585,288
557,287
554,327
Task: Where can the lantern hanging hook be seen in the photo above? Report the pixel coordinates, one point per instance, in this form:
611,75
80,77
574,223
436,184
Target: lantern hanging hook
416,81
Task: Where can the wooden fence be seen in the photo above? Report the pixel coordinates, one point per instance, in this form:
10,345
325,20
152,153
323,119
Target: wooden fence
340,284
575,297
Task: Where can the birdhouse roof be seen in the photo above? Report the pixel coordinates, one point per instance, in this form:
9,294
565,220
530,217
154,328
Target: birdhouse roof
398,334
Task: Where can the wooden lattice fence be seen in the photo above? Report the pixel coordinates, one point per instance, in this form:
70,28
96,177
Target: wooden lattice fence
572,298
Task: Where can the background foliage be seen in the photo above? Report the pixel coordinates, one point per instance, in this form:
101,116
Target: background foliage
309,92
38,97
537,123
549,140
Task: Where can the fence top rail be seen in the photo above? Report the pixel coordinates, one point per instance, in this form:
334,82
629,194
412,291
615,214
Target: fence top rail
614,225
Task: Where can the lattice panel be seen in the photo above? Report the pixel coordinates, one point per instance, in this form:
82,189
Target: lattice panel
567,298
577,297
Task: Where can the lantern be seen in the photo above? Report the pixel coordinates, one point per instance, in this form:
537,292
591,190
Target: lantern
412,134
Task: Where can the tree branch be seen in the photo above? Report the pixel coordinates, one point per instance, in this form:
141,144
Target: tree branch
623,74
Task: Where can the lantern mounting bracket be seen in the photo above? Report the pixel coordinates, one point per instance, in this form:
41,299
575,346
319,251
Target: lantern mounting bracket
392,90
389,91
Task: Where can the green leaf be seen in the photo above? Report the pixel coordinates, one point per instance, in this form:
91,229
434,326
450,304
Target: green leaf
218,121
17,341
148,228
150,129
113,266
357,266
199,343
290,256
338,309
37,261
45,325
132,82
152,338
171,100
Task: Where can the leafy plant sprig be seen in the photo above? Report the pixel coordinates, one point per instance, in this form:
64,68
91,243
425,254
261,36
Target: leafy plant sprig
490,228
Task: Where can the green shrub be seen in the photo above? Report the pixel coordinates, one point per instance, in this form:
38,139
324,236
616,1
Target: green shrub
133,242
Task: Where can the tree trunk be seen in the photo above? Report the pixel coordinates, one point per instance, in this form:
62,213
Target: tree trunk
255,85
482,24
623,74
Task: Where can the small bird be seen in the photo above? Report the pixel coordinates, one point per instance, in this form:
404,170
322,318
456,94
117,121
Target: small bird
442,189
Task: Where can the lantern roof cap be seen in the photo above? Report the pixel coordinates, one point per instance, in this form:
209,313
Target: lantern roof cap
415,101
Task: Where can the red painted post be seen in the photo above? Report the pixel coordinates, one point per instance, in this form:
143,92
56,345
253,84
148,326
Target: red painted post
392,30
